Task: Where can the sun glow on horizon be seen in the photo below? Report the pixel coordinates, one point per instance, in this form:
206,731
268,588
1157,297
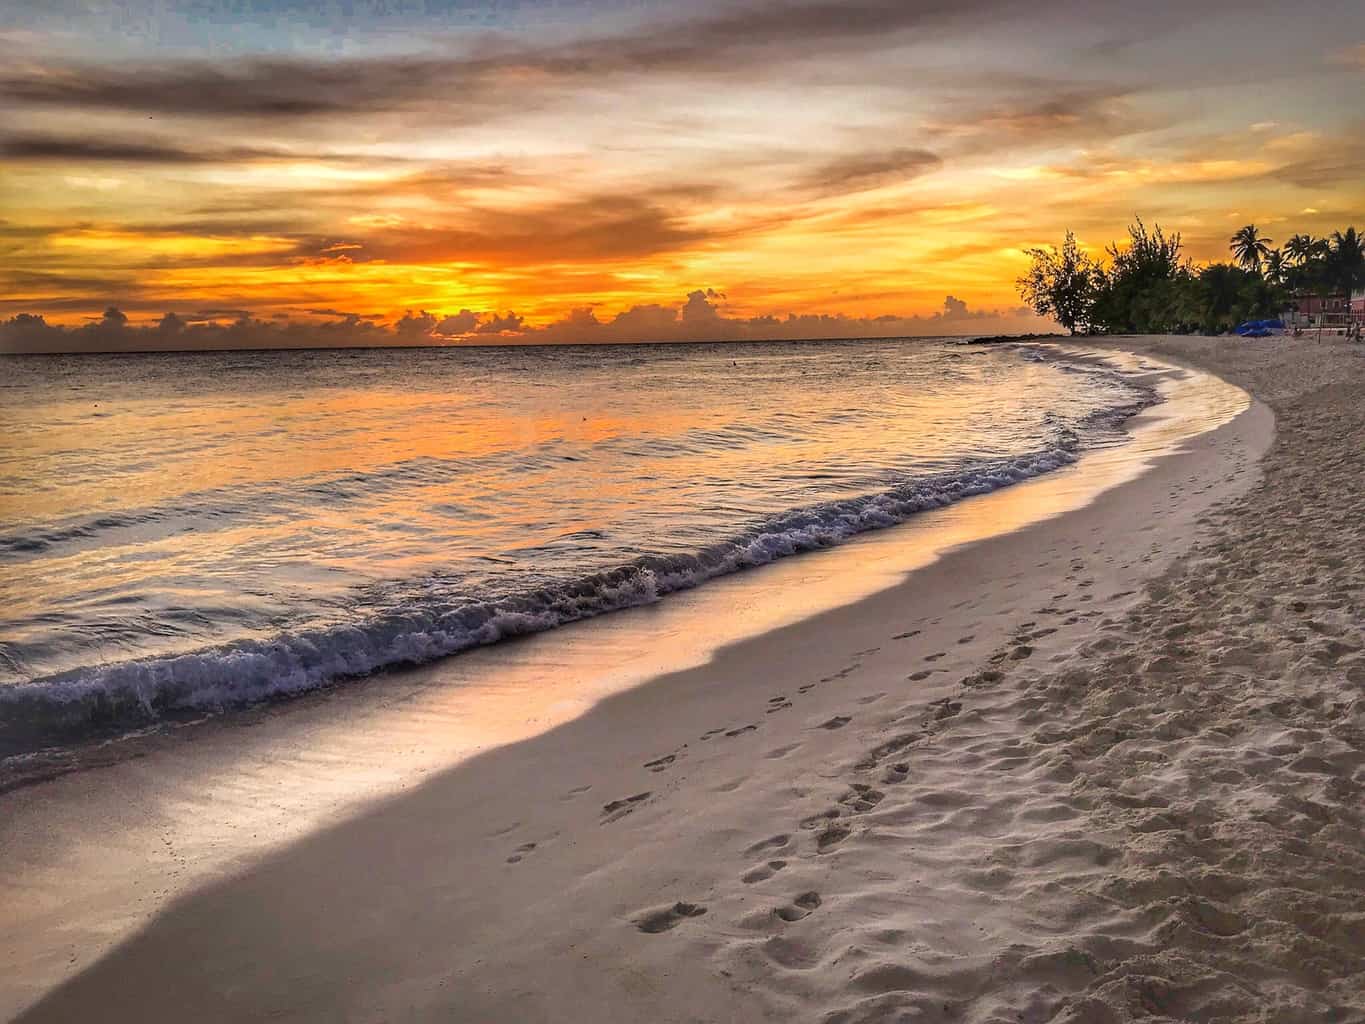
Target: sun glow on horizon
842,170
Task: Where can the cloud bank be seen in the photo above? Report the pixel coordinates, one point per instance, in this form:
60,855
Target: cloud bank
699,318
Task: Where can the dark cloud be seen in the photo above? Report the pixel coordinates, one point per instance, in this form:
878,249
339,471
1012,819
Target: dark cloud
1037,111
859,171
20,279
1332,161
344,315
49,148
46,148
496,72
607,227
253,88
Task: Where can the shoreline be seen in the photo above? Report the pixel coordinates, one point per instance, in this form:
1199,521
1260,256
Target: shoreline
494,890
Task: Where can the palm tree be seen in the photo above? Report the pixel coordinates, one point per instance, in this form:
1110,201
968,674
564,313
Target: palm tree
1276,266
1249,248
1302,248
1348,259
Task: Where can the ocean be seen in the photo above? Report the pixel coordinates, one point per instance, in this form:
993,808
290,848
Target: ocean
182,533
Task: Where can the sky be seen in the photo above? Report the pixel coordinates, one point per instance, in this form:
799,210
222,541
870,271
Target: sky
238,173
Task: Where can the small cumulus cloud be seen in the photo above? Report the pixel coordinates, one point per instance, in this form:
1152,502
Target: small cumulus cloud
495,324
463,322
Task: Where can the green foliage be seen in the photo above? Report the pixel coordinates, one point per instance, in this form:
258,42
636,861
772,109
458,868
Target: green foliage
1276,266
1145,290
1326,266
1346,261
1061,284
1249,248
1149,288
1228,295
1303,249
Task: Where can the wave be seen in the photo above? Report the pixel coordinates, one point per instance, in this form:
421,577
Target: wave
420,631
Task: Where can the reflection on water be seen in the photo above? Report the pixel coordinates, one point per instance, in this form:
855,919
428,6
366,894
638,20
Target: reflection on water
215,528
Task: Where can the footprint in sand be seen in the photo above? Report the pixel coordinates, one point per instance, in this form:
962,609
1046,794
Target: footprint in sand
935,657
896,773
779,707
843,673
667,918
777,752
922,674
945,708
831,837
771,843
872,698
520,852
576,791
741,730
906,636
618,809
862,797
820,820
762,872
659,764
837,722
799,907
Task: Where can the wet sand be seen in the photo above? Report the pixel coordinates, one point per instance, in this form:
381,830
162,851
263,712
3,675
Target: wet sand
1102,767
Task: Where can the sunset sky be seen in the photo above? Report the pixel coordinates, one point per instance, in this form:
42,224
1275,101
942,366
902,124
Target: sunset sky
270,171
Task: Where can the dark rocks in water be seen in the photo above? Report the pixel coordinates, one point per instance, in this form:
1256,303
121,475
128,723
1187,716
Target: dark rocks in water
1002,339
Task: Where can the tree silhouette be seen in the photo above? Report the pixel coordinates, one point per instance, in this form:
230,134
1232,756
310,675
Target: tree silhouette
1249,248
1061,284
1304,248
1276,266
1346,260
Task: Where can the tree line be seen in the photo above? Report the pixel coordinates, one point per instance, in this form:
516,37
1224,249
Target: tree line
1146,285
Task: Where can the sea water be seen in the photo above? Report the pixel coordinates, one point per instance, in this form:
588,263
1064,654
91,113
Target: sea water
204,530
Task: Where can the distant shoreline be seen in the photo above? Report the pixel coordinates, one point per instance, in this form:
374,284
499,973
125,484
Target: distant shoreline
1002,339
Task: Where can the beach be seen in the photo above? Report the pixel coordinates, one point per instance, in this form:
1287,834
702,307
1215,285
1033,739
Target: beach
1103,767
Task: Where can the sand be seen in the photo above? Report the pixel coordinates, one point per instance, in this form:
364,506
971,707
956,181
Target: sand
1104,768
